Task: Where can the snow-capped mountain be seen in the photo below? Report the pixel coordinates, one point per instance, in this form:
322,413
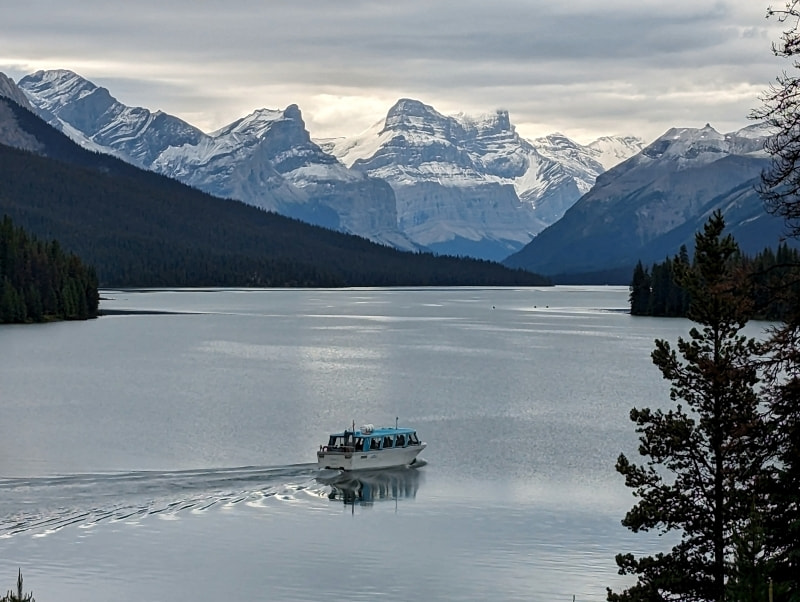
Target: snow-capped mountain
648,206
466,185
464,182
92,117
266,159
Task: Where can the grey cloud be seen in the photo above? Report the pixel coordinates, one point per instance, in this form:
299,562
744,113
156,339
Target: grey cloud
579,62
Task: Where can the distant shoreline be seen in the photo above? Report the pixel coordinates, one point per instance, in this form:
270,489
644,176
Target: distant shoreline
133,312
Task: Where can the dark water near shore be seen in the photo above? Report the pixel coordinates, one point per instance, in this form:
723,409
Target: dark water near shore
164,451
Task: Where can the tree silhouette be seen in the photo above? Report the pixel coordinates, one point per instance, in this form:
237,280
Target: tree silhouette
704,457
18,596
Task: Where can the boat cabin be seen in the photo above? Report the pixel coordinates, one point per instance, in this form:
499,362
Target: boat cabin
372,439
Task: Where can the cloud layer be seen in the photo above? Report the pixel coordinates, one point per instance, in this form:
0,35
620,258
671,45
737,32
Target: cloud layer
582,67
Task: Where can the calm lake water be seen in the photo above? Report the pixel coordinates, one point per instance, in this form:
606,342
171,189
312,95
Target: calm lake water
167,452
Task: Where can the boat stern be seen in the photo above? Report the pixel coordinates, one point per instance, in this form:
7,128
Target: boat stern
334,459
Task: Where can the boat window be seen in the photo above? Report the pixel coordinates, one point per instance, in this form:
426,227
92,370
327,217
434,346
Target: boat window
413,439
359,443
401,441
387,442
374,444
336,441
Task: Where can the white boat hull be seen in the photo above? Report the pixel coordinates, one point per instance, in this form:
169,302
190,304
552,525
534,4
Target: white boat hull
360,460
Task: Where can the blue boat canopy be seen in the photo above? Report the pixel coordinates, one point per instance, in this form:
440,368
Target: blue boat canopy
368,431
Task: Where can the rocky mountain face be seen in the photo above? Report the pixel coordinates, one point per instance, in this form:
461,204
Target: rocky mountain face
470,184
266,159
11,133
8,89
648,206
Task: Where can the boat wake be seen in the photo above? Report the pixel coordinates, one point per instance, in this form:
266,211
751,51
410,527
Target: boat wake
43,505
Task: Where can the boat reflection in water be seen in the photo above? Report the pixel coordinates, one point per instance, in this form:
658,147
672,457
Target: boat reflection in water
364,487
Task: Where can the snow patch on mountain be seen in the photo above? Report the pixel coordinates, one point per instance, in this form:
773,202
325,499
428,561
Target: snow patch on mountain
610,151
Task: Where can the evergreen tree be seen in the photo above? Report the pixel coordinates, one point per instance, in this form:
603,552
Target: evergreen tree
780,189
680,294
782,522
639,297
704,459
19,595
662,280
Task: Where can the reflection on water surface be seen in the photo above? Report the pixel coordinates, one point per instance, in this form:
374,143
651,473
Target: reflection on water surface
365,487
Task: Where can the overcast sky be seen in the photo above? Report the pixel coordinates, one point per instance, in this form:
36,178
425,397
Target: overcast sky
585,68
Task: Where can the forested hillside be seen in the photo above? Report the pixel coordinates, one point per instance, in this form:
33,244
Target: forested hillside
40,282
141,229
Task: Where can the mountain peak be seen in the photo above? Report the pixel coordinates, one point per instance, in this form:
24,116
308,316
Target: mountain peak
410,113
556,138
692,134
52,90
55,79
689,146
55,75
483,123
410,106
293,112
253,125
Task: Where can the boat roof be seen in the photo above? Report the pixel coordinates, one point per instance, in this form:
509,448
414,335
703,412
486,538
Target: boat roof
381,431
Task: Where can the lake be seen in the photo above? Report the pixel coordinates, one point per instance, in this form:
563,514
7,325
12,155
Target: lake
166,451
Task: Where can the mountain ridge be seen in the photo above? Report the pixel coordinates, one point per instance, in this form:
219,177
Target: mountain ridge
281,168
456,185
139,228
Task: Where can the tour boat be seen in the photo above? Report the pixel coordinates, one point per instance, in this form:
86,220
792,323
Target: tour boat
370,447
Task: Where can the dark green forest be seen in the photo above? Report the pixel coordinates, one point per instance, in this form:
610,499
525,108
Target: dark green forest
768,280
41,282
139,229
